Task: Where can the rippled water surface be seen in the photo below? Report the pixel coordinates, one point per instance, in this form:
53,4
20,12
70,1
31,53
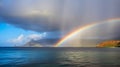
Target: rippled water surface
59,57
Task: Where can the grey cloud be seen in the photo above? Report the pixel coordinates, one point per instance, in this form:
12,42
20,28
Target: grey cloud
52,15
36,15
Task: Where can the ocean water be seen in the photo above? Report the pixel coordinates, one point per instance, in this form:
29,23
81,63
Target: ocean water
59,57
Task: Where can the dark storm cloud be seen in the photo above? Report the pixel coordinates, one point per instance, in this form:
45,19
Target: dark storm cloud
36,15
52,15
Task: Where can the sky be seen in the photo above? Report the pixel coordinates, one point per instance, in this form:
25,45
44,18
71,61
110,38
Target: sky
45,22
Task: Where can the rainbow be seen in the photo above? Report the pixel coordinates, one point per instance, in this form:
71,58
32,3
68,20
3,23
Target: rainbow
81,29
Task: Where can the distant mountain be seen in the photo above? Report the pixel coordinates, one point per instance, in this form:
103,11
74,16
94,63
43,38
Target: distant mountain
41,43
111,43
32,44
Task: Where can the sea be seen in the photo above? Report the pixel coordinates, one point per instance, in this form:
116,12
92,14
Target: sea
59,57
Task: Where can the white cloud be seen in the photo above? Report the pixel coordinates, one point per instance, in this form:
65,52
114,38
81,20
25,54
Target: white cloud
19,39
35,36
22,39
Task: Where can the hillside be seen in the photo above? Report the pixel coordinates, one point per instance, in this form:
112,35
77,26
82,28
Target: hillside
111,43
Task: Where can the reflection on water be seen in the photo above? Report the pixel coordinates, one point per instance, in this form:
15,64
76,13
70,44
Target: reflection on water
89,58
59,57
